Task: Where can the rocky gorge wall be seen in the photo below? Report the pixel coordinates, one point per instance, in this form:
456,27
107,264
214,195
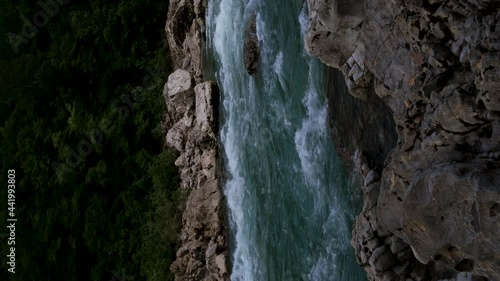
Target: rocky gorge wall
432,208
192,119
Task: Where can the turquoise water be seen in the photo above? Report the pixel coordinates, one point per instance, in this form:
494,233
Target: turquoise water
290,206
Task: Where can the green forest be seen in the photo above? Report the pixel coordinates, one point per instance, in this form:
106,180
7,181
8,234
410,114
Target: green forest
81,111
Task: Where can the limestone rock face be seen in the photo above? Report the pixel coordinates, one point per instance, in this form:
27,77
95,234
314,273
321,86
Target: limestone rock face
203,254
178,93
206,100
465,217
435,65
251,49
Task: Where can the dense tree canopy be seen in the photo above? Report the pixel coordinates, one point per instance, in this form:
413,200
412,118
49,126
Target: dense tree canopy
80,122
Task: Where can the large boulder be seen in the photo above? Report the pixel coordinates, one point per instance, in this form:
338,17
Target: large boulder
251,49
178,93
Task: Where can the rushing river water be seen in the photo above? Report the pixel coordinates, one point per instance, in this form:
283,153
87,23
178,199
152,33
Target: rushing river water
290,206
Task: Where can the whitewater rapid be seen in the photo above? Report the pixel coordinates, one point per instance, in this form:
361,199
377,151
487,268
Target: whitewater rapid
290,204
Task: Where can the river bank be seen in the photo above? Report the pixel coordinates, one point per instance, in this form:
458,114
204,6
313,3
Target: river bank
193,120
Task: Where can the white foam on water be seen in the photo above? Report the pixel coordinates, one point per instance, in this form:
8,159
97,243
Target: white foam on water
304,23
247,128
309,139
278,63
227,34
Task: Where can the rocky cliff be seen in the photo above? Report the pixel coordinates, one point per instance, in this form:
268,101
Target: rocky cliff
203,253
192,118
432,207
185,28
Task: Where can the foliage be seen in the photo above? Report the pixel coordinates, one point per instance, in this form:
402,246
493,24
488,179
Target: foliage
96,196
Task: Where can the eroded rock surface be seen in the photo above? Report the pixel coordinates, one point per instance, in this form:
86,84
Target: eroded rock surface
432,211
203,254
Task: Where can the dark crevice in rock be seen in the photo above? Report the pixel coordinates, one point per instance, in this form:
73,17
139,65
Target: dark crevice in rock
357,124
475,218
465,265
181,27
431,7
494,210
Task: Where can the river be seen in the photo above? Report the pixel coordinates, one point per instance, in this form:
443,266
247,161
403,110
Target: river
291,206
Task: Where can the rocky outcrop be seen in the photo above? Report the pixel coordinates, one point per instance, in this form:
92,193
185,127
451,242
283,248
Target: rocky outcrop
192,121
431,212
203,254
251,50
185,29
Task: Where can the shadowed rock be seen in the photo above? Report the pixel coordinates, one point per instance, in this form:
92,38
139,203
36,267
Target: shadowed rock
185,27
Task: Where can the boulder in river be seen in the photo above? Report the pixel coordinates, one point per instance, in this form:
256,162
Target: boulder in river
251,50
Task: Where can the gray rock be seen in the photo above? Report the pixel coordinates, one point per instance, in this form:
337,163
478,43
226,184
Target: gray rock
371,177
221,262
206,106
178,93
176,136
251,49
396,244
333,29
212,247
179,82
382,259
